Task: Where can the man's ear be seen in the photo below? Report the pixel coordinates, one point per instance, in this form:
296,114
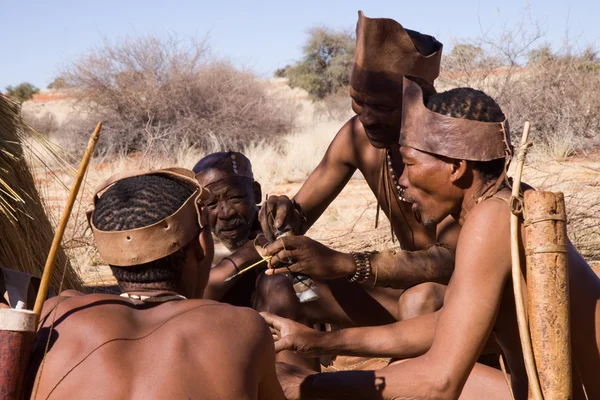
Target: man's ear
256,189
206,248
458,169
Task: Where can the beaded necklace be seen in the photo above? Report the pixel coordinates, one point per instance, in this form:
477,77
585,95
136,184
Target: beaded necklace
399,189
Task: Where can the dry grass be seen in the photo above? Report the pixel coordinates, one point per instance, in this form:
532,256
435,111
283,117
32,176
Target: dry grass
26,230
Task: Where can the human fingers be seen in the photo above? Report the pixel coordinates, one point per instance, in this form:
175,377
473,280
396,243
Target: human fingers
264,222
284,208
285,257
278,245
295,268
272,320
283,343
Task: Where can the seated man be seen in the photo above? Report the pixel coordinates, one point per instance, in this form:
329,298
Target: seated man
151,342
232,210
454,149
409,282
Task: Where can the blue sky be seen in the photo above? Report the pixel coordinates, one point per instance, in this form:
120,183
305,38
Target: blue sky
38,37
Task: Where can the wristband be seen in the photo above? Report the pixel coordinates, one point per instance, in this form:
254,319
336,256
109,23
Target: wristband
363,267
237,269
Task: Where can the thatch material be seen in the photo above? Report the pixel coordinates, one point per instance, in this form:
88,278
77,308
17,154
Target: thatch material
25,230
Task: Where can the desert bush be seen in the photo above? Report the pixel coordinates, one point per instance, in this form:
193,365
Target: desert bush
58,83
22,92
335,106
45,123
158,94
556,91
326,63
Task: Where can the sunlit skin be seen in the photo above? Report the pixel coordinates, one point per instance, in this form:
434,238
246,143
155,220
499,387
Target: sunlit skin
110,347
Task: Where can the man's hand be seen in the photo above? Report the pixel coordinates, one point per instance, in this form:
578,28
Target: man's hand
277,213
303,255
291,379
291,335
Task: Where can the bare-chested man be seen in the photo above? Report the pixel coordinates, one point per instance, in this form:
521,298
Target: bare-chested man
385,52
232,210
453,151
151,342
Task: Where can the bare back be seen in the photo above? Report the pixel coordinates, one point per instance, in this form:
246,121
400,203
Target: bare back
104,346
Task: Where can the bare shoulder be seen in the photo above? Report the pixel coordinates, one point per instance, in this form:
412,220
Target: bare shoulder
234,321
490,215
484,240
348,140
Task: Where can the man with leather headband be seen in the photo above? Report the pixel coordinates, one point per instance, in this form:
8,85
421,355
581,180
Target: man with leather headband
385,52
152,341
232,211
456,150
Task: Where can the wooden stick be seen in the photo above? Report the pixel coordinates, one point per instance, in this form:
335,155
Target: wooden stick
45,282
249,268
525,336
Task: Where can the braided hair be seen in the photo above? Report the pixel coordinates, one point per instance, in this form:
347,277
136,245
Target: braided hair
137,202
475,105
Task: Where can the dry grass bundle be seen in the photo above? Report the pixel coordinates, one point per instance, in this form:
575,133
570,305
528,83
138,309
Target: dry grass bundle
26,232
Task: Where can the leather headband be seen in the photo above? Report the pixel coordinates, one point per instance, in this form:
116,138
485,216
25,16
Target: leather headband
142,245
457,138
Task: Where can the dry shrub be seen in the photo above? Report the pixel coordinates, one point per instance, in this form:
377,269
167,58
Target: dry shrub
157,94
45,123
336,106
556,91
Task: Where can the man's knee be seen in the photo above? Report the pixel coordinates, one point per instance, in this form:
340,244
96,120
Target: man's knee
421,299
276,295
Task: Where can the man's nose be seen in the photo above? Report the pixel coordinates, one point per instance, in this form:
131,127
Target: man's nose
225,212
367,116
403,180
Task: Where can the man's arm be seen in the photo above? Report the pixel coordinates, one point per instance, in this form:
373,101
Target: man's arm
398,269
243,257
404,339
268,385
322,186
470,308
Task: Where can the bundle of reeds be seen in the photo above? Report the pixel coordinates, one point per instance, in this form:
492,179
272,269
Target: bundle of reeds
25,230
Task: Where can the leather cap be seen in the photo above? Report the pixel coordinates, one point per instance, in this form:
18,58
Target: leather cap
143,245
457,138
386,52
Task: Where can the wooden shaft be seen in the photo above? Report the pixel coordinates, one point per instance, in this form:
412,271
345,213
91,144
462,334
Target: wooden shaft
524,335
248,268
546,250
43,292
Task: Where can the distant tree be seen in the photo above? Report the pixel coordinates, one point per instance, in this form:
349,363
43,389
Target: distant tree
58,83
540,55
22,92
326,63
